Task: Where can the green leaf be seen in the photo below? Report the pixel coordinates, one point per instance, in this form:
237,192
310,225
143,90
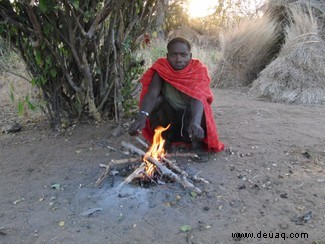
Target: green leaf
48,60
33,82
87,16
98,70
20,108
53,73
29,103
38,58
43,80
185,228
43,5
11,94
75,4
193,194
47,28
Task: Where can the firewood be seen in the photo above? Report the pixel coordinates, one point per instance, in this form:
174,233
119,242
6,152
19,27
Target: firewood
133,148
175,167
178,154
167,172
198,178
102,176
183,172
164,170
114,162
125,160
137,173
142,142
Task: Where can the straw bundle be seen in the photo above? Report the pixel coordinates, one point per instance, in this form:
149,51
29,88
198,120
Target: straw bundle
297,75
245,51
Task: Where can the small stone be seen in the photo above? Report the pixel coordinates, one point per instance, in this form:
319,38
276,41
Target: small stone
284,195
205,208
242,187
118,131
284,226
11,128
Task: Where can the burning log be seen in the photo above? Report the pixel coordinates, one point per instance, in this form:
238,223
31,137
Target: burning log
163,169
170,164
154,165
136,174
114,162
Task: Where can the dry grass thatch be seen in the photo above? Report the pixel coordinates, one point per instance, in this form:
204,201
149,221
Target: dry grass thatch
279,10
245,51
298,74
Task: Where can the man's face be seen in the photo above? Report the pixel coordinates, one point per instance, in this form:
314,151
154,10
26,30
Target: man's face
179,56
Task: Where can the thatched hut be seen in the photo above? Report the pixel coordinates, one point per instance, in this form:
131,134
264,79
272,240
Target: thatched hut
286,66
297,75
245,51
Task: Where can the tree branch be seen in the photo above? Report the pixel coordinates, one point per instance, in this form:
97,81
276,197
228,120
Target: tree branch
108,8
35,23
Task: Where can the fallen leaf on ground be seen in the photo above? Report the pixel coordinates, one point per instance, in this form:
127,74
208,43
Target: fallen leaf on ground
56,186
185,228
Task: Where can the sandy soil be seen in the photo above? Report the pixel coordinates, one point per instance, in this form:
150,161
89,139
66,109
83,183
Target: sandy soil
269,182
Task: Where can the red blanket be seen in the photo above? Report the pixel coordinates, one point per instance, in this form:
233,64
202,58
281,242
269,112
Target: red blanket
194,81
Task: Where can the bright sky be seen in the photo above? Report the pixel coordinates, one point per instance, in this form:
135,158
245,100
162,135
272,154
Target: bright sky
201,8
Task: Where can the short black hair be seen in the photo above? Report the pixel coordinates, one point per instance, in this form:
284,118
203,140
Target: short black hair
179,39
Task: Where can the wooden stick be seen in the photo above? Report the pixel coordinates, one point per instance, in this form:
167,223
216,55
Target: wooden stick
164,170
103,176
182,172
178,154
134,175
198,178
125,160
133,148
142,142
114,162
174,167
103,166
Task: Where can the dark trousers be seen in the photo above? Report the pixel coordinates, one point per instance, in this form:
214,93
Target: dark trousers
164,114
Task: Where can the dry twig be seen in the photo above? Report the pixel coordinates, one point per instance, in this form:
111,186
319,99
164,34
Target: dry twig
163,169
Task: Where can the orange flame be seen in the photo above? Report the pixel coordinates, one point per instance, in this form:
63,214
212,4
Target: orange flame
156,150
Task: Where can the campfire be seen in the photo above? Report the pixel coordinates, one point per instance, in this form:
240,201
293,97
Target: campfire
156,152
155,166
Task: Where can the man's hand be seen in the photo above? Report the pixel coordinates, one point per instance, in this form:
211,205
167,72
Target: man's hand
195,131
137,125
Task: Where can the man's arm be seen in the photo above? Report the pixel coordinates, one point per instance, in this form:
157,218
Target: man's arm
148,104
195,129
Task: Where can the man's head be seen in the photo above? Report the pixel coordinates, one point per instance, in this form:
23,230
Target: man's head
179,53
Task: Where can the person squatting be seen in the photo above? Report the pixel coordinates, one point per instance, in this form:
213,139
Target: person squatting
176,91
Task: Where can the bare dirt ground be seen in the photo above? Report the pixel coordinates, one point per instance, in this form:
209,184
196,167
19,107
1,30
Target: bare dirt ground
269,183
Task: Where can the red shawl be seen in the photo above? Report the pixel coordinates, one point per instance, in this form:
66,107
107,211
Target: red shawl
194,81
